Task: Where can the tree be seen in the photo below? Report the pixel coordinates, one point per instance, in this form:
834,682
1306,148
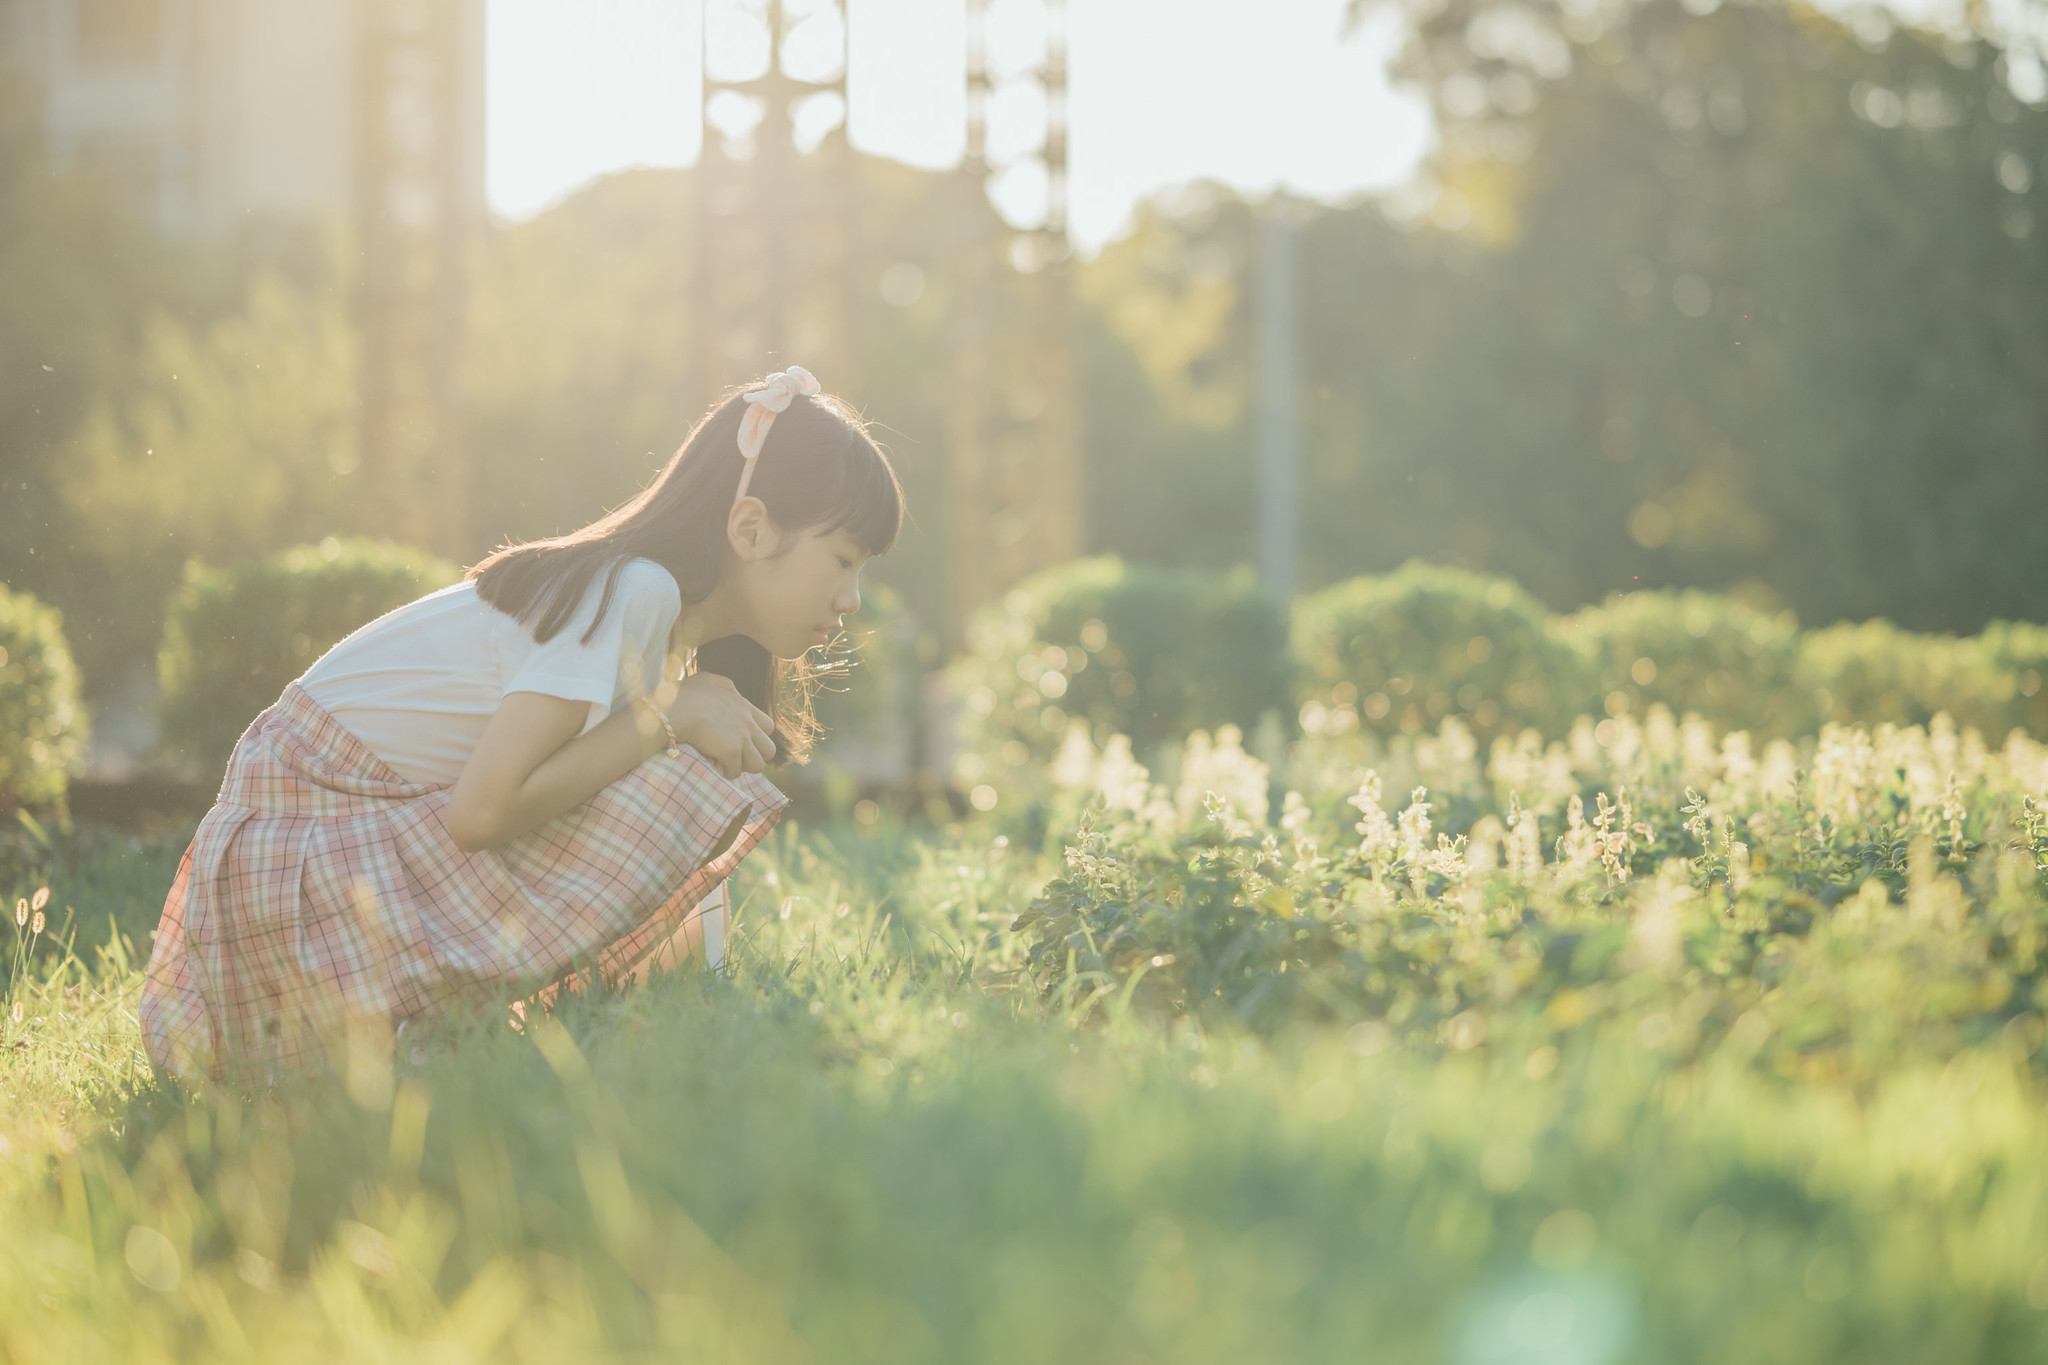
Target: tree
1737,300
68,266
232,440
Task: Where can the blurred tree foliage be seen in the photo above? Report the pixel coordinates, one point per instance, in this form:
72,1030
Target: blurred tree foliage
98,313
1747,300
216,419
67,268
231,438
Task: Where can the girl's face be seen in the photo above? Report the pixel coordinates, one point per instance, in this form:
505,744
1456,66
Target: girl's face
798,598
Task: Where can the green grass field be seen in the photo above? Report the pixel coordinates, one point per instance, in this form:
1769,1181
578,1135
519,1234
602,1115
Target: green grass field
1753,1072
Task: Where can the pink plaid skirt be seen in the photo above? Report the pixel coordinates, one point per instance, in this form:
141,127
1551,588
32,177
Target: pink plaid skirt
322,886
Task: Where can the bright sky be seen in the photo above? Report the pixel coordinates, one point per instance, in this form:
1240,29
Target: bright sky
1254,93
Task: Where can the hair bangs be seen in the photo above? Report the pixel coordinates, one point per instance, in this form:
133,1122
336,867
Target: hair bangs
869,496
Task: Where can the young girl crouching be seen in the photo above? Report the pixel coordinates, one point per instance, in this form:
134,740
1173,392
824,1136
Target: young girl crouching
546,768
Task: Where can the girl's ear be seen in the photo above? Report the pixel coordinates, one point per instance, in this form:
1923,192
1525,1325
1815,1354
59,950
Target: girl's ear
749,531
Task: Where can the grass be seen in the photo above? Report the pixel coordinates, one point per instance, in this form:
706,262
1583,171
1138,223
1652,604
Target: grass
900,1130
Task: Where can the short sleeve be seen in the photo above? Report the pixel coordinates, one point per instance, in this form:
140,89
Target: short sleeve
624,656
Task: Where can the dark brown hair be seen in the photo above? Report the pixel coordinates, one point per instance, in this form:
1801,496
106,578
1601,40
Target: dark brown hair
819,470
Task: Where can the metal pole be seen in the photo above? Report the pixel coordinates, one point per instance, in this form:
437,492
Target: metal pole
773,230
1063,530
968,488
775,195
1279,453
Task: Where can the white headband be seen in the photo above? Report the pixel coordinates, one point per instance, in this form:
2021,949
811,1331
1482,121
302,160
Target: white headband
775,395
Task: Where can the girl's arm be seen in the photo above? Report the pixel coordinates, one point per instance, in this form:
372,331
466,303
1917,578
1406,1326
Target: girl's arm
531,765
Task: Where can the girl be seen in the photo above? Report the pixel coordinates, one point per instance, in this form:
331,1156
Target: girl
546,767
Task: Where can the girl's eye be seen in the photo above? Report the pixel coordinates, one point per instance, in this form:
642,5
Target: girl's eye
845,563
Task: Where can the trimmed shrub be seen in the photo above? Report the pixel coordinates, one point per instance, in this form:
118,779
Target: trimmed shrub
1150,653
1403,651
1695,652
2016,653
235,636
1874,673
42,723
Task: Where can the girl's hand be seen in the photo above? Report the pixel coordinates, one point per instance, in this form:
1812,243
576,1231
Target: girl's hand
714,719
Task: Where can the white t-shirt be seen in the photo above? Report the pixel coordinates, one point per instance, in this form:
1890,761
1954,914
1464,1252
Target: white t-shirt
417,685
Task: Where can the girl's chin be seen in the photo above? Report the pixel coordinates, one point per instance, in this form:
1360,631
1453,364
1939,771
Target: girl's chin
788,650
805,642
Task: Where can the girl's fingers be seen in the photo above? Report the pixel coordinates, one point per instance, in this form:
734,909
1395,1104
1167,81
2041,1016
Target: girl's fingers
750,739
758,724
750,712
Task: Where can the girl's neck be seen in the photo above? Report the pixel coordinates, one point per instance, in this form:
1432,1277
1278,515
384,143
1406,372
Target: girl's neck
715,617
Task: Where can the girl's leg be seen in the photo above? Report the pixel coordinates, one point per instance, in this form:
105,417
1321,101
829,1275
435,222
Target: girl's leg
701,935
702,932
715,923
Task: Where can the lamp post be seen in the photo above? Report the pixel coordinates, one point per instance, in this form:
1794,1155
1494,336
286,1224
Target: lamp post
1278,282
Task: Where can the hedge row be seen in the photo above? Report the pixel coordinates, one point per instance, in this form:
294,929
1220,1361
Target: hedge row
42,723
1156,655
1149,653
234,637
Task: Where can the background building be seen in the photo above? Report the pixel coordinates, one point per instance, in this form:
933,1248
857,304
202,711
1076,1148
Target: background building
210,114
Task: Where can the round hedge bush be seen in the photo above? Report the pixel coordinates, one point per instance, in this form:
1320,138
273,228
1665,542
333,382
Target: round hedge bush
1696,652
235,636
1874,673
1145,652
2016,653
42,722
1402,651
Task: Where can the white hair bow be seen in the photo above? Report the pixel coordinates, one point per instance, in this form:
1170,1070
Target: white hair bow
775,395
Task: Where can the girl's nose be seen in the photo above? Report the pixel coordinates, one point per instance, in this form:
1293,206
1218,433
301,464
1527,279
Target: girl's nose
848,602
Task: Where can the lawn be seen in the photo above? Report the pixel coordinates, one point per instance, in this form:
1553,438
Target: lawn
1488,1072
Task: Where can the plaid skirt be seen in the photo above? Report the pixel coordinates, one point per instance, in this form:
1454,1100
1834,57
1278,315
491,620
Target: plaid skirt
322,887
